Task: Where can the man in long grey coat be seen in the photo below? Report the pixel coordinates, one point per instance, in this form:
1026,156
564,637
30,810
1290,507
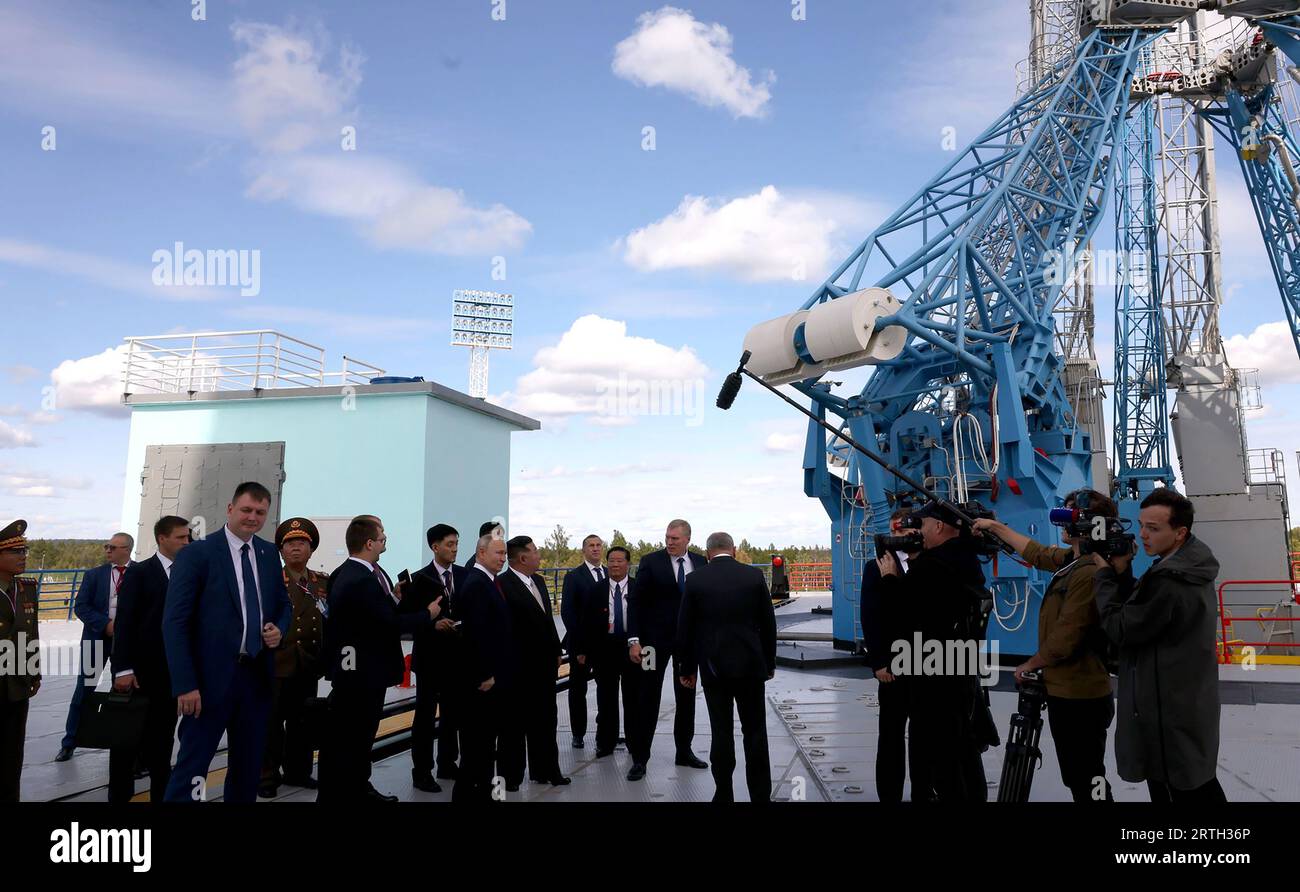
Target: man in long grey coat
1164,626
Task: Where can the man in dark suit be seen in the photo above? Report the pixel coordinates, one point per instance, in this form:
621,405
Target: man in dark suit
433,660
491,528
652,628
727,633
226,611
577,582
487,672
96,607
140,662
884,621
600,640
364,652
533,714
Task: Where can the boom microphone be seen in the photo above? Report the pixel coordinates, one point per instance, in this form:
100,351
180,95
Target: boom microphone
731,386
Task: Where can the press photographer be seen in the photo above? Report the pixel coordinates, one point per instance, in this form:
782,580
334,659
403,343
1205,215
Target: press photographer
885,620
1164,626
1080,705
942,590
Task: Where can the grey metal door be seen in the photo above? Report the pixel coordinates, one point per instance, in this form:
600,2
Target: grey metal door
196,482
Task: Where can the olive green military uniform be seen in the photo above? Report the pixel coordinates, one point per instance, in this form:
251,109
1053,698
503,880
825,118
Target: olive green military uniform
20,676
298,668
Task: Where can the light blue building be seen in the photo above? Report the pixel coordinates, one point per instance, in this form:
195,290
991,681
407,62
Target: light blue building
209,411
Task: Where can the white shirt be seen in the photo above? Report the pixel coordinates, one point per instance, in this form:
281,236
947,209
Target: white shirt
532,587
236,548
595,571
490,574
442,576
115,577
625,584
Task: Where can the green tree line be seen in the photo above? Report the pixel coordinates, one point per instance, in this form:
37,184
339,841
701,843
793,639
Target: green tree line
64,554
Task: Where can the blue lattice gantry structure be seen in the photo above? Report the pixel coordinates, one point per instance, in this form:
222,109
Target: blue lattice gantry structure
951,299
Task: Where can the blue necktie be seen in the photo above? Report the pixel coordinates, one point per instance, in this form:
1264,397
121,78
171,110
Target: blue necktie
618,611
681,574
252,606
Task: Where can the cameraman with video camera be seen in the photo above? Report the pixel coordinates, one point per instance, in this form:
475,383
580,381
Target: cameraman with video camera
942,589
1164,626
1080,704
884,621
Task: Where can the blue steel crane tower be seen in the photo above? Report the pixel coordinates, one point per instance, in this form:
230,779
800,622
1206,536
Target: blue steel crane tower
958,322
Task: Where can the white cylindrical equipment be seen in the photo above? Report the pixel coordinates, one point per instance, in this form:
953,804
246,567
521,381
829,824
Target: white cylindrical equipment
837,334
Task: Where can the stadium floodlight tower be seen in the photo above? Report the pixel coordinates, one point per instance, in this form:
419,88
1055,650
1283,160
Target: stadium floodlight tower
482,321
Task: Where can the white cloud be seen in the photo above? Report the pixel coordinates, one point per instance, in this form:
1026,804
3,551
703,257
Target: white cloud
784,443
391,206
1269,348
285,97
592,364
93,383
768,236
14,437
671,49
129,278
563,472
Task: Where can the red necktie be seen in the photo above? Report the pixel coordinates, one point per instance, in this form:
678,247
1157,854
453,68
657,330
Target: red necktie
117,579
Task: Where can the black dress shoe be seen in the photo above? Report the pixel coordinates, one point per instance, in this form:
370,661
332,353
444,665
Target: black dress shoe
560,781
600,754
141,773
377,796
512,788
425,784
637,772
691,761
65,753
451,772
268,791
307,783
578,743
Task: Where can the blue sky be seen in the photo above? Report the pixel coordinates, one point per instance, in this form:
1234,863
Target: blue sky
777,143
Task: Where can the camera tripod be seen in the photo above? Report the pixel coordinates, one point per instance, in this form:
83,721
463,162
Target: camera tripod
1023,755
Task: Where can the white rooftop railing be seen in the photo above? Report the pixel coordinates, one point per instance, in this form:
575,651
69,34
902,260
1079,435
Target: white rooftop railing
211,361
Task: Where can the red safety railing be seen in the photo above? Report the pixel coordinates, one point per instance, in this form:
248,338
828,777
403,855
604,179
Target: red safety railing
809,577
1227,620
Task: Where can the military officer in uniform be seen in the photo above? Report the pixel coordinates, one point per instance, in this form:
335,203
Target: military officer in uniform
19,635
298,664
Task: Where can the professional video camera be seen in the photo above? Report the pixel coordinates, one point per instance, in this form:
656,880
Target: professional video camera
1106,536
904,536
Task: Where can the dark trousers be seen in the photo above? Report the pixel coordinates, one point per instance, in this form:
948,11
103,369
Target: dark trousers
242,715
85,682
354,715
897,748
1206,794
1079,733
481,721
651,694
613,670
747,695
435,718
155,751
578,678
13,734
945,743
531,724
288,738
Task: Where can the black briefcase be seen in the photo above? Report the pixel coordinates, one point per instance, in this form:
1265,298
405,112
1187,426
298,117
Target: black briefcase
110,720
